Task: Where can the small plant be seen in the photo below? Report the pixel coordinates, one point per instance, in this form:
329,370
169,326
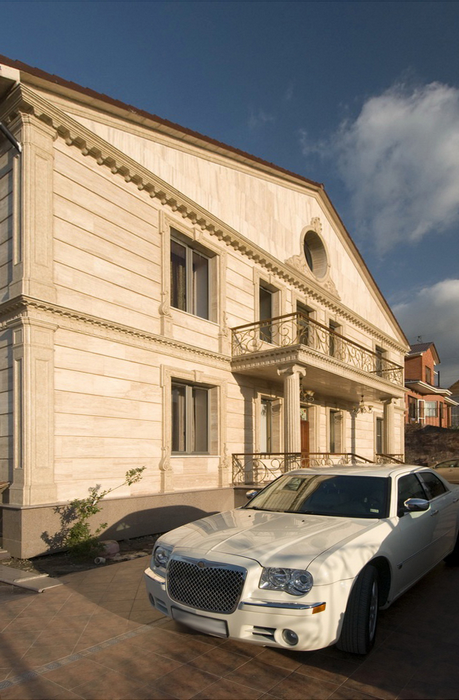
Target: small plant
78,538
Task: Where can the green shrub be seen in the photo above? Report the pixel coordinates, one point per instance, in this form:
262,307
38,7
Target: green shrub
78,538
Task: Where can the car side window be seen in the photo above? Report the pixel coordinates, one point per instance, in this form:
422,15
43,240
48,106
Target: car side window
409,486
432,484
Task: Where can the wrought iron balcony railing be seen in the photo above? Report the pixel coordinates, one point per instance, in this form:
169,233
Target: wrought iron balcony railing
259,468
298,329
389,459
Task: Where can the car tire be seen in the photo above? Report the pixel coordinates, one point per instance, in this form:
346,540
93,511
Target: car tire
452,559
360,620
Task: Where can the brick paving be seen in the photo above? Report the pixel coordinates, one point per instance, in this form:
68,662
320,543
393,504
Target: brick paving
97,638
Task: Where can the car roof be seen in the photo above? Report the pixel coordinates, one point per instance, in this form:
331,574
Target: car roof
384,470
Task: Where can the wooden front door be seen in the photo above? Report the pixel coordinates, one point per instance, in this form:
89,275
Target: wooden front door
304,443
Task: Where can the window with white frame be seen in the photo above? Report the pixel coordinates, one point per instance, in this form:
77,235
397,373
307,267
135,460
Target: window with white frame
430,409
190,278
269,303
191,429
335,432
379,436
266,313
412,409
266,426
334,339
305,332
380,352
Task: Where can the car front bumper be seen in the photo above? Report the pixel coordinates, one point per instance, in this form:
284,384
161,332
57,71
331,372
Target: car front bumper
314,621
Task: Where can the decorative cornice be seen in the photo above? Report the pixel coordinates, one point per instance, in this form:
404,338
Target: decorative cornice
23,99
20,308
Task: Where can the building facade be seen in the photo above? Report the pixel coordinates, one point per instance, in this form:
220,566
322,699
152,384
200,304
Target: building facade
454,389
173,303
426,402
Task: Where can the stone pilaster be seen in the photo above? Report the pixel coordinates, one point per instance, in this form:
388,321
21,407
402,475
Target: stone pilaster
32,273
33,413
389,422
291,375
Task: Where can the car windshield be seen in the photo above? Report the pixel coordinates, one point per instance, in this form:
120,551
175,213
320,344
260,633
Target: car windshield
330,494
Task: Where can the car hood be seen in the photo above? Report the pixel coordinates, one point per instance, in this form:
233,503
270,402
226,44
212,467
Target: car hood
272,539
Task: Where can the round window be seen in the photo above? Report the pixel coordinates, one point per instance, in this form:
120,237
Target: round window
314,253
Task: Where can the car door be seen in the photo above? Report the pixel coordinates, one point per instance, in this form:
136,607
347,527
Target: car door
412,537
449,470
442,512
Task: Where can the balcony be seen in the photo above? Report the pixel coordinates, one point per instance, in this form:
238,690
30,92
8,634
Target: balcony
341,365
256,469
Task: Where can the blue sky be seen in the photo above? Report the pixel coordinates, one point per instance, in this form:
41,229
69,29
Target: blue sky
362,96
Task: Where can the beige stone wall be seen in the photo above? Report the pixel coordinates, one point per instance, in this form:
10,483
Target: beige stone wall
6,217
32,531
6,406
96,344
271,214
6,235
106,253
111,411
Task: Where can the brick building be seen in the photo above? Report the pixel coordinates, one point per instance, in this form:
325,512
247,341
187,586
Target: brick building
426,402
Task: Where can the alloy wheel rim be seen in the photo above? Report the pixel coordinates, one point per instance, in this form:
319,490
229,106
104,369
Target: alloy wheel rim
373,611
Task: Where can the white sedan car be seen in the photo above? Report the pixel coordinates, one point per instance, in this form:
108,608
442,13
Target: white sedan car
310,559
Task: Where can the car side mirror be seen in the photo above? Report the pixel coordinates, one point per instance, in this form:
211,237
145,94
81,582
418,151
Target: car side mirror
251,494
414,505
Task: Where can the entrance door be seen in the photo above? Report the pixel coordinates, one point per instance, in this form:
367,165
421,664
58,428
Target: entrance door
304,438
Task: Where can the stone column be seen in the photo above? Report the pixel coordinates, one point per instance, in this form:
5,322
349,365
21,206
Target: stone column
389,424
291,375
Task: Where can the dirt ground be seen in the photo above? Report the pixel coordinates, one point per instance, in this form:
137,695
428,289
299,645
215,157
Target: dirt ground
61,563
428,445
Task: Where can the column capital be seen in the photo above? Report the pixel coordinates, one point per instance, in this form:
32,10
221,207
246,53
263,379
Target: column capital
390,402
291,368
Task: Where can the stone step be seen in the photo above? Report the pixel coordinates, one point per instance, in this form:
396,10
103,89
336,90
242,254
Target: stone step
27,579
4,554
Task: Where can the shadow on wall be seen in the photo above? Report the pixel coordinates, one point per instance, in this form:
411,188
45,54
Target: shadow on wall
143,522
159,520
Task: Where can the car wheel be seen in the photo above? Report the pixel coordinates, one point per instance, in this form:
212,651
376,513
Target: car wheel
453,558
361,617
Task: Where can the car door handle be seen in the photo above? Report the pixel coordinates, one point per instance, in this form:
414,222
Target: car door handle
434,512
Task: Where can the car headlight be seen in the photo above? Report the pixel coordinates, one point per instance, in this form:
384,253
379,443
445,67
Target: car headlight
293,581
161,556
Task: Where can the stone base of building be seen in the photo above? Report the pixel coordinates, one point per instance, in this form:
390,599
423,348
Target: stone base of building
30,531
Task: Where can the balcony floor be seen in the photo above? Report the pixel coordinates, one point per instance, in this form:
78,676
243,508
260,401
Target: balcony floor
325,375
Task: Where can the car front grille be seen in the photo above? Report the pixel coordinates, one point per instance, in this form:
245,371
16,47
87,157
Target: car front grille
210,587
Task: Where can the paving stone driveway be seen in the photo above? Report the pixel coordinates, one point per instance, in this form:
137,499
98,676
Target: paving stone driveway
98,638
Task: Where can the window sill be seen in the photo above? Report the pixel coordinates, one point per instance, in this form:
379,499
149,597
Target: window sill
199,318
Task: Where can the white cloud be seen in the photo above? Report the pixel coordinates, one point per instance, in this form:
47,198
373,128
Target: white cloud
259,118
310,147
288,95
433,314
399,159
